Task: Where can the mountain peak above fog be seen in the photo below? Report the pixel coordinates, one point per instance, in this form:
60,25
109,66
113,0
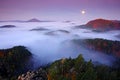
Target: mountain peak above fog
34,20
103,24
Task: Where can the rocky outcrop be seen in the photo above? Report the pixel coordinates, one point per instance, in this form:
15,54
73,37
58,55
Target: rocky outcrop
39,74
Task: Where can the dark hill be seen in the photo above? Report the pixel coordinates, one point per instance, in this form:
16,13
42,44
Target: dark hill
13,61
33,20
7,26
73,69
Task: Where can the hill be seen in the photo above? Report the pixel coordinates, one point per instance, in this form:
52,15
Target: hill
7,26
102,24
73,69
33,20
102,45
13,61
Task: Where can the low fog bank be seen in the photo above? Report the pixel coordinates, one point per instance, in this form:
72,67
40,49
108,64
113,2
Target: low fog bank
47,48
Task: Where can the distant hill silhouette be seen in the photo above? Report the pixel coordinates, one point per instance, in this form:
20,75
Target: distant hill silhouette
33,20
7,26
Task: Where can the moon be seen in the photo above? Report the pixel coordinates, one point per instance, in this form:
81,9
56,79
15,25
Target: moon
83,12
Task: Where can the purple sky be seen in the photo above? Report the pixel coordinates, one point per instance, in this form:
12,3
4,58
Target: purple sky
59,9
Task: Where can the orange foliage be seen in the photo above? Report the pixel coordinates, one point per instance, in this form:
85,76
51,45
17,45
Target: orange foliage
73,76
49,77
1,54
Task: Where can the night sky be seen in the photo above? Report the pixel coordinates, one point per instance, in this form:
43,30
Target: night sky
59,9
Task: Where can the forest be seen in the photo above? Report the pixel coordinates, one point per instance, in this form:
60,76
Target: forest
105,46
14,65
13,61
79,69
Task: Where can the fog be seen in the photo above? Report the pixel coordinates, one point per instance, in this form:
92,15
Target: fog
52,41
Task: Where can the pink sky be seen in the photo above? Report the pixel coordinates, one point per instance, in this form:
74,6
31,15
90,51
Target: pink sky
59,9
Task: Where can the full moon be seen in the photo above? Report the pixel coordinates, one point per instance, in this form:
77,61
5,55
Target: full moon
83,12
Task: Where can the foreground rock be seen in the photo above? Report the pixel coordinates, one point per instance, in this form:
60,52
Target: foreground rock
39,74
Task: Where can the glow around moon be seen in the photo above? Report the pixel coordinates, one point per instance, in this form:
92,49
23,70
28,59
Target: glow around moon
83,12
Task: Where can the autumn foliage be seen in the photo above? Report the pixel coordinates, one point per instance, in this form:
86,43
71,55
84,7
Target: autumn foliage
79,69
105,46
